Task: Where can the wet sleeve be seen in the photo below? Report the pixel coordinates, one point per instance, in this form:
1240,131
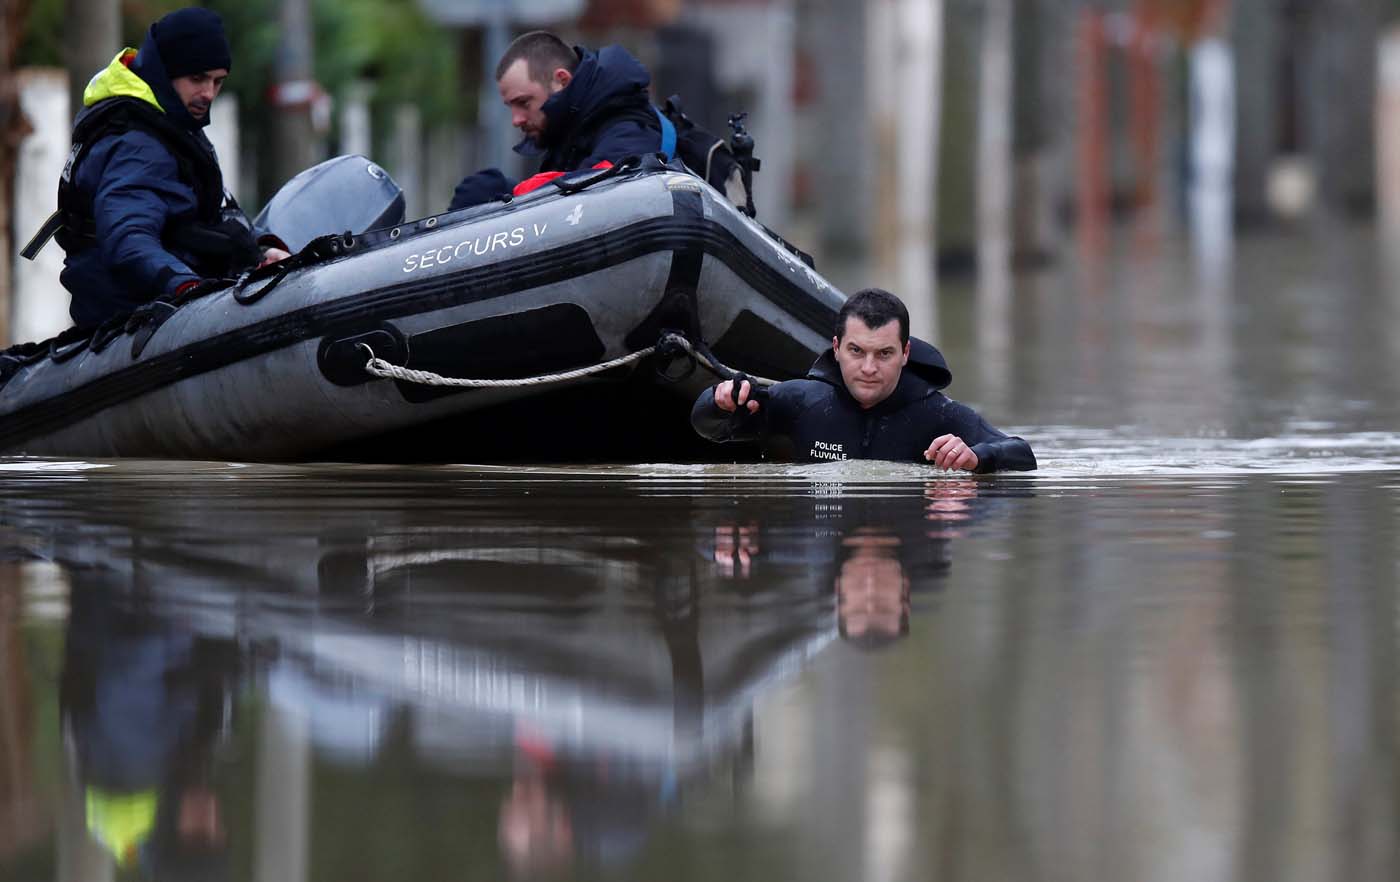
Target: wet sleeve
720,425
996,451
138,191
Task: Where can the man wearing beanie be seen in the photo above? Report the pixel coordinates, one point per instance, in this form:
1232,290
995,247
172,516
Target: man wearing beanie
142,210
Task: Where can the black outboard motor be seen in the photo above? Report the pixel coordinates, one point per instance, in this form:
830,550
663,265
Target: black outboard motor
342,194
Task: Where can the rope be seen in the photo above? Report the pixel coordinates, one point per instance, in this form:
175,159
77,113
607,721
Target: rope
387,371
384,370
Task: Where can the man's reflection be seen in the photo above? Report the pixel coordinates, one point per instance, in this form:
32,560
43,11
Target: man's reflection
144,706
879,552
872,590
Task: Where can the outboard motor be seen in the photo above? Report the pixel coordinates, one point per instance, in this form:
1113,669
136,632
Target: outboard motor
344,193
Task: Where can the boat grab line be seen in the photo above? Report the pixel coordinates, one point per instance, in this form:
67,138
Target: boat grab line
385,370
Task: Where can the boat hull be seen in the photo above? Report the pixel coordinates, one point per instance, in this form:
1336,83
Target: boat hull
272,369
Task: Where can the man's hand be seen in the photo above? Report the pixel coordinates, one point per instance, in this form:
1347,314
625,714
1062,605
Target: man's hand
949,452
272,255
724,397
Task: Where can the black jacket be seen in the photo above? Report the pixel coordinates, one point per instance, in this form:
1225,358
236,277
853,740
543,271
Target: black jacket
603,114
816,419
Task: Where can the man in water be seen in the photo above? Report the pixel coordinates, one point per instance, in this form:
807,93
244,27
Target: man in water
576,109
859,402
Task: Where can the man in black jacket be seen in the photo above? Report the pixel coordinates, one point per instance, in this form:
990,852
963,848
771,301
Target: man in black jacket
577,109
859,402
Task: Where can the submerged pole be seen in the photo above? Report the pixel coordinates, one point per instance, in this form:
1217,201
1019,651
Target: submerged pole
995,174
994,162
1092,142
905,61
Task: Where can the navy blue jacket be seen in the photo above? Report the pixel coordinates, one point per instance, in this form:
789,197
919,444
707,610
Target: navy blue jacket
816,419
603,114
133,181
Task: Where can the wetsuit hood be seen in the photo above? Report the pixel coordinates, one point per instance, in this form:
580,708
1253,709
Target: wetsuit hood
925,362
600,78
924,374
151,69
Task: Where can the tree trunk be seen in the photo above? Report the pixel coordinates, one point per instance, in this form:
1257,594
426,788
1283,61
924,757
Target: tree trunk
1043,130
994,162
294,142
1340,83
91,39
838,38
13,128
1255,28
905,58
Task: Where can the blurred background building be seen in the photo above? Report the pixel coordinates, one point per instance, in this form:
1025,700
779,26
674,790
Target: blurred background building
901,139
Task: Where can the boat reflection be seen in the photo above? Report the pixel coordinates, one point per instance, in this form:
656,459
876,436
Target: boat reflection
590,677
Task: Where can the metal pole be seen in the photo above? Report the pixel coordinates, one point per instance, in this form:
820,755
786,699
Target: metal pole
294,143
91,38
495,125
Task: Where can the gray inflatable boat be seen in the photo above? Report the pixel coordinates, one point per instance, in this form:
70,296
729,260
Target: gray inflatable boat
589,269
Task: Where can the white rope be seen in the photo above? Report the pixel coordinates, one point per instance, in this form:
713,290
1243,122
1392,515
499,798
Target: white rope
384,370
387,371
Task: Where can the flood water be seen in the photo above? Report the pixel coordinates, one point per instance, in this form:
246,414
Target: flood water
1171,653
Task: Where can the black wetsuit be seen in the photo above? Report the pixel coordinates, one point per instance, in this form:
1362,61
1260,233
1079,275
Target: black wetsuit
816,419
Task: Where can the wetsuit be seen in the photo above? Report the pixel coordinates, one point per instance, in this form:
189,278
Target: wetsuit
816,419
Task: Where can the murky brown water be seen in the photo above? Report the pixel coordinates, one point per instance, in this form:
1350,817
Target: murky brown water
1169,654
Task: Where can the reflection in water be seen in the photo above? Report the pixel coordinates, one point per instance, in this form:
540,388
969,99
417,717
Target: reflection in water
144,704
860,671
593,678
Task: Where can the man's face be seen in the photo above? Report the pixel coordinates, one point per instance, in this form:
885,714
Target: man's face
871,359
526,98
198,91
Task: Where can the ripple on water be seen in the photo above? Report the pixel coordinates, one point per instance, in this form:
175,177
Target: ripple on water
1062,451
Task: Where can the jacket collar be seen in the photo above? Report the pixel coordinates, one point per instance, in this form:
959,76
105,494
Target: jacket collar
116,80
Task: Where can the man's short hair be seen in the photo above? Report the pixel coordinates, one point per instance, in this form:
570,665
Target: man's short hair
877,308
544,53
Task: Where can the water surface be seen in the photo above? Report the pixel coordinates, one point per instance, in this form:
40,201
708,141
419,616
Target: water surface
1171,653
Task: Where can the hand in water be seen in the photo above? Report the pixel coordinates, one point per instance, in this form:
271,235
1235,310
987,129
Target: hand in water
949,452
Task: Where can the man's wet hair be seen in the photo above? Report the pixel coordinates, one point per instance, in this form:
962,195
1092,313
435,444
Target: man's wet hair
877,308
544,53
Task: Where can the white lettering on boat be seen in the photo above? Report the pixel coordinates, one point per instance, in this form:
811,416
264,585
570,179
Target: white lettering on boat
827,450
480,246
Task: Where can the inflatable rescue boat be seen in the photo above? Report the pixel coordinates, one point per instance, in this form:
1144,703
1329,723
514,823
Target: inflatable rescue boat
577,321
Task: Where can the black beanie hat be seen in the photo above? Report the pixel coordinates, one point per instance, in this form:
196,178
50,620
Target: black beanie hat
190,41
